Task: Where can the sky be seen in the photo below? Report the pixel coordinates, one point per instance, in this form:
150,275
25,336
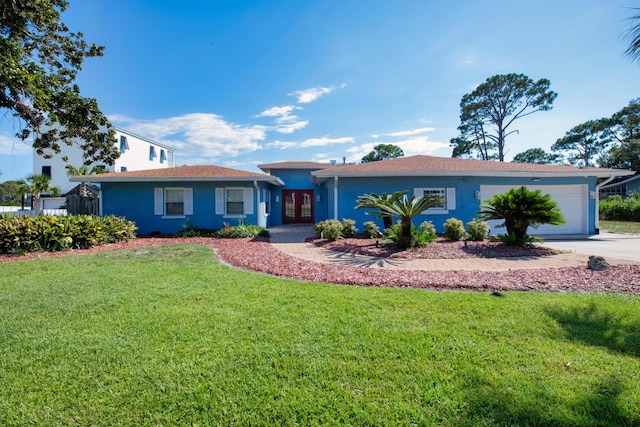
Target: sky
243,83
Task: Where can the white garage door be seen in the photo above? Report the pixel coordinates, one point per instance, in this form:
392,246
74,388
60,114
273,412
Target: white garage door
571,199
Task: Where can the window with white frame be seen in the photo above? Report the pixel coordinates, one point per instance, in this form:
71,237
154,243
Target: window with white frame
173,202
152,152
448,196
234,201
124,145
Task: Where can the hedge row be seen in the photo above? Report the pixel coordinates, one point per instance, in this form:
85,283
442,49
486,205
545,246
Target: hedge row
615,208
56,233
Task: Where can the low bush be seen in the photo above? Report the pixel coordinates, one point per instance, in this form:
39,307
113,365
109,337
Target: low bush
478,229
20,234
428,226
615,208
454,229
371,229
422,235
348,228
241,231
329,229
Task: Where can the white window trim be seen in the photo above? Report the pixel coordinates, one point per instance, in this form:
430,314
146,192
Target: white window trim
449,200
221,202
160,205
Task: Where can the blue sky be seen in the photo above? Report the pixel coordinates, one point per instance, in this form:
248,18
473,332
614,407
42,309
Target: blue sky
240,83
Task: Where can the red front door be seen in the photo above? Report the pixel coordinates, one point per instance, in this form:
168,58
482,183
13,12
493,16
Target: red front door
297,207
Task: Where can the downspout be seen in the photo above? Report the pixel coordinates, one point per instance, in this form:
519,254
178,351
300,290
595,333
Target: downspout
597,222
335,197
258,213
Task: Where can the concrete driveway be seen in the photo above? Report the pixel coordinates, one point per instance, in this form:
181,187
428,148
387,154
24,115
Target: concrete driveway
608,245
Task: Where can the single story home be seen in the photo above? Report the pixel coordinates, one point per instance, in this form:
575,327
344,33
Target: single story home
622,188
307,192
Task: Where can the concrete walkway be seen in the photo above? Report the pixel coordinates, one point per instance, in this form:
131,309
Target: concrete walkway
290,239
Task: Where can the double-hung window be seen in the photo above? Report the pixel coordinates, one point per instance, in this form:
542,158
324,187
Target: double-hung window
124,144
234,202
152,153
173,202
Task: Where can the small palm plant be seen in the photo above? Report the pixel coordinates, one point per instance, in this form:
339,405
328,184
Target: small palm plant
36,184
400,205
374,201
521,208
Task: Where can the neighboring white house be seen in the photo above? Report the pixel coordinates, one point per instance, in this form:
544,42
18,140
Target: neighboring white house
136,153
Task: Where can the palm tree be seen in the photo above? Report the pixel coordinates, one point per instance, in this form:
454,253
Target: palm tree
83,170
374,201
521,208
398,204
633,36
36,184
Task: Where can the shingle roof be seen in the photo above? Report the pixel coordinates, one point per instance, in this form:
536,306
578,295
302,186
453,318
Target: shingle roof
183,173
429,165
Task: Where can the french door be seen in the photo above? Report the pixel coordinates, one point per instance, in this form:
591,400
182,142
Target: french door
297,207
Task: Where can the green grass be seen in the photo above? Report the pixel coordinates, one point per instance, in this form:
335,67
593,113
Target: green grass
169,336
624,227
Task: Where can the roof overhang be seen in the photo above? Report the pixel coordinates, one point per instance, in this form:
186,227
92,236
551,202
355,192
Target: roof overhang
321,176
107,178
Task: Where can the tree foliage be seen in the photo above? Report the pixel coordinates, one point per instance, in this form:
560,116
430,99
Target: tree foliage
585,142
39,61
521,208
536,156
633,37
383,152
488,113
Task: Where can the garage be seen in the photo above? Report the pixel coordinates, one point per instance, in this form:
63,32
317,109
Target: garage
572,200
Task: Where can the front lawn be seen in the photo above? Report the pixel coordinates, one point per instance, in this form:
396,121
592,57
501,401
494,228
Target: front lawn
624,227
169,336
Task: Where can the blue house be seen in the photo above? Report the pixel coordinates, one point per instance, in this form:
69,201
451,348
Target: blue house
622,188
308,192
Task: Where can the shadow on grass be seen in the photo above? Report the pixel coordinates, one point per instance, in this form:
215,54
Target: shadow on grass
498,405
597,327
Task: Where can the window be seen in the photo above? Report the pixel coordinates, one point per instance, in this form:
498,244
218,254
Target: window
448,199
235,201
124,145
152,153
173,202
123,168
163,156
46,171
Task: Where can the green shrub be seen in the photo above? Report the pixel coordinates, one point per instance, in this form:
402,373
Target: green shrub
428,226
615,208
329,229
512,240
20,234
419,236
348,228
454,229
478,229
241,231
371,229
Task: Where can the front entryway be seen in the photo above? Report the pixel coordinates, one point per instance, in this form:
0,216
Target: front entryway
297,207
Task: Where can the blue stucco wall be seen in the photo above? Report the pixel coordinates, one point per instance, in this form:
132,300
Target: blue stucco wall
135,201
467,206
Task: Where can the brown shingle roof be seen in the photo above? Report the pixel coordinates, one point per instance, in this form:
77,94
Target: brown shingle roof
183,173
429,165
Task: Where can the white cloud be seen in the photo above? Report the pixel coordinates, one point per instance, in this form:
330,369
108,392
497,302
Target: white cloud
12,146
375,136
198,138
285,121
309,95
320,142
411,132
308,143
415,146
